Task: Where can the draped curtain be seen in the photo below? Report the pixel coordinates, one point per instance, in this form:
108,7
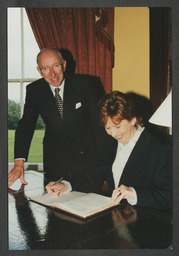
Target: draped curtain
87,33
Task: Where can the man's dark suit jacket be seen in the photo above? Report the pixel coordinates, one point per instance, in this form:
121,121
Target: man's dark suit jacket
148,170
69,145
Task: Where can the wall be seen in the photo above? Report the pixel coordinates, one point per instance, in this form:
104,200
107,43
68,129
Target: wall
131,39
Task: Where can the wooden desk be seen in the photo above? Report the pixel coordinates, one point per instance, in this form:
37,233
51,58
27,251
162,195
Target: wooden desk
33,226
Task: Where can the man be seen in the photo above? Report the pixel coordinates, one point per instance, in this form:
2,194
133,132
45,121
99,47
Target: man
70,143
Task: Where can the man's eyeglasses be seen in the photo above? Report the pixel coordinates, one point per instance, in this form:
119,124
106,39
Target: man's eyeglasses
56,68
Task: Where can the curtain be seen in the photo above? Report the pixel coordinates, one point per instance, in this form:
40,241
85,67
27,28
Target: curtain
86,33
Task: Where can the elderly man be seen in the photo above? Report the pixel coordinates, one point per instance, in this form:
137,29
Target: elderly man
67,105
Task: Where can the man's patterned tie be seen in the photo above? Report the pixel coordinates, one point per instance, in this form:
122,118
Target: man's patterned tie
59,101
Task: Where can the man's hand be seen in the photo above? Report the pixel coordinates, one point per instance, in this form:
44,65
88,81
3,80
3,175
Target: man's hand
56,189
17,172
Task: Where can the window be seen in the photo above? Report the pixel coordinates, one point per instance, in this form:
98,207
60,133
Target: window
22,52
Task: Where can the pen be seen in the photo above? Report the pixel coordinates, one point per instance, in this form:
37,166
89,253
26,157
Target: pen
57,181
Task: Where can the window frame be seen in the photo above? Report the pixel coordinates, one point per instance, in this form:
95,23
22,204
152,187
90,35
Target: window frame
22,80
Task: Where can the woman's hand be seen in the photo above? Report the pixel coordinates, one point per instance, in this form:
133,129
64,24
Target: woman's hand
56,189
122,192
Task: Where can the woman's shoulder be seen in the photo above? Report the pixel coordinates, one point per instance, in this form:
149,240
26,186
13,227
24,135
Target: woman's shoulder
157,138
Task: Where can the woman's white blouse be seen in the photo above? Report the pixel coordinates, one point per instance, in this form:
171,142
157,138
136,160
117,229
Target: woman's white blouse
122,156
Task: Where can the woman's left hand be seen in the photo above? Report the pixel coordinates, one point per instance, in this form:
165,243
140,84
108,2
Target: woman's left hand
122,192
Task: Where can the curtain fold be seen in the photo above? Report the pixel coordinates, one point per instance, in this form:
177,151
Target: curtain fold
88,33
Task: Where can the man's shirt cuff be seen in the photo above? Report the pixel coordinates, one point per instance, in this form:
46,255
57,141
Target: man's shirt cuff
20,159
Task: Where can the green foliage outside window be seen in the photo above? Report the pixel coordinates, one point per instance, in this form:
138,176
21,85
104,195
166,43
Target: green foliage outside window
35,154
14,116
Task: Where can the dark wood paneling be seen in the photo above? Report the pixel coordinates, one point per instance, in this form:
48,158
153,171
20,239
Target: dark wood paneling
160,55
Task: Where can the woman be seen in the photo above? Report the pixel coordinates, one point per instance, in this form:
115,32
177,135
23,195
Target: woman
139,166
142,168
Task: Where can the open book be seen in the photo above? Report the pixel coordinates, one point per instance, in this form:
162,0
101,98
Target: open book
80,204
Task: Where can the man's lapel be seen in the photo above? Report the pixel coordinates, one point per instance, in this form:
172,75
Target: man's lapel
49,101
69,98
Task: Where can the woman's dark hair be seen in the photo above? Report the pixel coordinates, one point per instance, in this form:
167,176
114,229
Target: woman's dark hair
118,107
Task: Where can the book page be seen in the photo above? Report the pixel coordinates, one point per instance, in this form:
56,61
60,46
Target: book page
85,203
78,203
50,200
